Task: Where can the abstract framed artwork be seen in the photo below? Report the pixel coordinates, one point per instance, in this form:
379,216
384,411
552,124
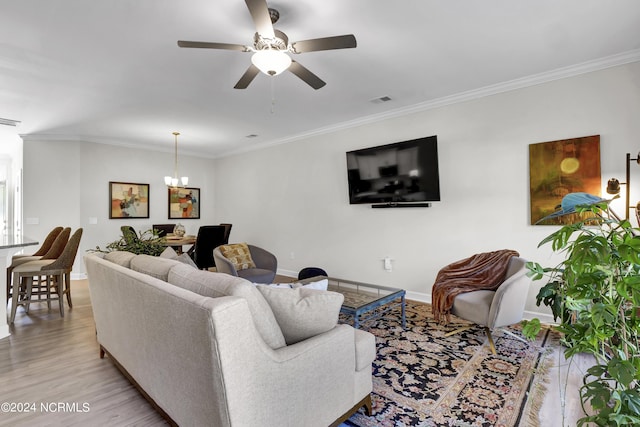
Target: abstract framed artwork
557,168
128,200
184,203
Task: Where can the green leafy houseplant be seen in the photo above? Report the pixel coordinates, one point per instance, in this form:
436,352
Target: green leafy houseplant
594,295
147,242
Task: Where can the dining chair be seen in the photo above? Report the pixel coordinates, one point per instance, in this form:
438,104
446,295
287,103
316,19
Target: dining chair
57,270
54,251
209,237
128,232
227,231
163,229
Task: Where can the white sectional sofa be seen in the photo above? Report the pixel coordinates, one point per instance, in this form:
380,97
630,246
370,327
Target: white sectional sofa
209,349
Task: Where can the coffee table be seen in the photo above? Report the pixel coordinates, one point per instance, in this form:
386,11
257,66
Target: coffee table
365,301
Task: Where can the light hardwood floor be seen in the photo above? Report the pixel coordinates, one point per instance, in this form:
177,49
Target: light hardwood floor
49,361
52,366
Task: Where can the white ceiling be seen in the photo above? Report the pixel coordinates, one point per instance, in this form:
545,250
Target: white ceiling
110,70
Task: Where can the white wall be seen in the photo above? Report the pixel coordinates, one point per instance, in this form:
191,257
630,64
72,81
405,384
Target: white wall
67,183
11,159
292,198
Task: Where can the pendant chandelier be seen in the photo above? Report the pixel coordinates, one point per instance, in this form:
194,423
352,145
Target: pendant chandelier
174,181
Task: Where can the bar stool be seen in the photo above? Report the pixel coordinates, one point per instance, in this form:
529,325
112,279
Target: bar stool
59,270
53,252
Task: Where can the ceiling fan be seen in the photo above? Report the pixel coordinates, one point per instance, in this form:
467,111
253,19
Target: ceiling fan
270,47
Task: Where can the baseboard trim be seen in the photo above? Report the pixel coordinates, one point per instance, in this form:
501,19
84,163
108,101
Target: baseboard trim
545,318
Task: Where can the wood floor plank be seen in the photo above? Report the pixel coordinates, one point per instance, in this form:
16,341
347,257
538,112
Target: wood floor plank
53,363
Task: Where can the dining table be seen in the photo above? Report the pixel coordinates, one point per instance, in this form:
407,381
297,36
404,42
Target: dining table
177,242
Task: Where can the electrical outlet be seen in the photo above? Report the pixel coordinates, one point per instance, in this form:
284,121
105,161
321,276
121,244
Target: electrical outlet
387,264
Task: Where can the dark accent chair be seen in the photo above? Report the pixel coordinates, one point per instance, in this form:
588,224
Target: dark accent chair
163,229
266,265
309,272
209,237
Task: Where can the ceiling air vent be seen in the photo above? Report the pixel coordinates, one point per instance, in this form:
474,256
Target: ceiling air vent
380,100
9,122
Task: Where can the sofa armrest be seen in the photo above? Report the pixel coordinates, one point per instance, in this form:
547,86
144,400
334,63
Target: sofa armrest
312,381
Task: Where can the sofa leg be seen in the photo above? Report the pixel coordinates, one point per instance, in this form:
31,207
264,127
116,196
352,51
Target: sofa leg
368,407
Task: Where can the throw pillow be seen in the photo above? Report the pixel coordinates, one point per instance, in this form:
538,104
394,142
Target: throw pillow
320,285
239,255
303,313
186,259
169,253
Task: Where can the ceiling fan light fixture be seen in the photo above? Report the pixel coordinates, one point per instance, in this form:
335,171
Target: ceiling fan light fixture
271,62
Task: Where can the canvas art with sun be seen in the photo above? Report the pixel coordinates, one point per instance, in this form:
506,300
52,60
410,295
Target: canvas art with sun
557,168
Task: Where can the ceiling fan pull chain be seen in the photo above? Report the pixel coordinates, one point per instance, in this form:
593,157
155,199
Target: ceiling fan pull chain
273,95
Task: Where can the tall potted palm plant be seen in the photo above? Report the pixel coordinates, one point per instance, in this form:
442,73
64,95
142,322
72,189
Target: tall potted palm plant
594,295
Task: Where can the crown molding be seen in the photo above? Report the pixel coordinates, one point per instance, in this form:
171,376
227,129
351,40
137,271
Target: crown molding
520,83
106,141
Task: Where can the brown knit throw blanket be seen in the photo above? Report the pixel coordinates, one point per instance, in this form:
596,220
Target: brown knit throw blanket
481,271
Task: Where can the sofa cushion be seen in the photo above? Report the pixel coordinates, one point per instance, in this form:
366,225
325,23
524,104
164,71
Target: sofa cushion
239,255
303,313
153,266
122,258
216,285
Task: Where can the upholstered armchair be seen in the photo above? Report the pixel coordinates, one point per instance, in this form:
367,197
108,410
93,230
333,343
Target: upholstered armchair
499,308
247,261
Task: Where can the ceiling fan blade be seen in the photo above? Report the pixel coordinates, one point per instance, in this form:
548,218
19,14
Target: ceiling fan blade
325,43
247,77
261,17
208,45
307,76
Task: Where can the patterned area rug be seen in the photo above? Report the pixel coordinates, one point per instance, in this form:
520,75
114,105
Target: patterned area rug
422,378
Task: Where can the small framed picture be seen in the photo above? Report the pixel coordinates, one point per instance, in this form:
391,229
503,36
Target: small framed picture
184,203
128,200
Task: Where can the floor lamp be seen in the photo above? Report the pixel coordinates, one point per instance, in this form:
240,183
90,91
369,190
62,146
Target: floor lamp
613,187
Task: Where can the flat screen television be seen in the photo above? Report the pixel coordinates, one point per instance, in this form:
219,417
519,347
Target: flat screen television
399,174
